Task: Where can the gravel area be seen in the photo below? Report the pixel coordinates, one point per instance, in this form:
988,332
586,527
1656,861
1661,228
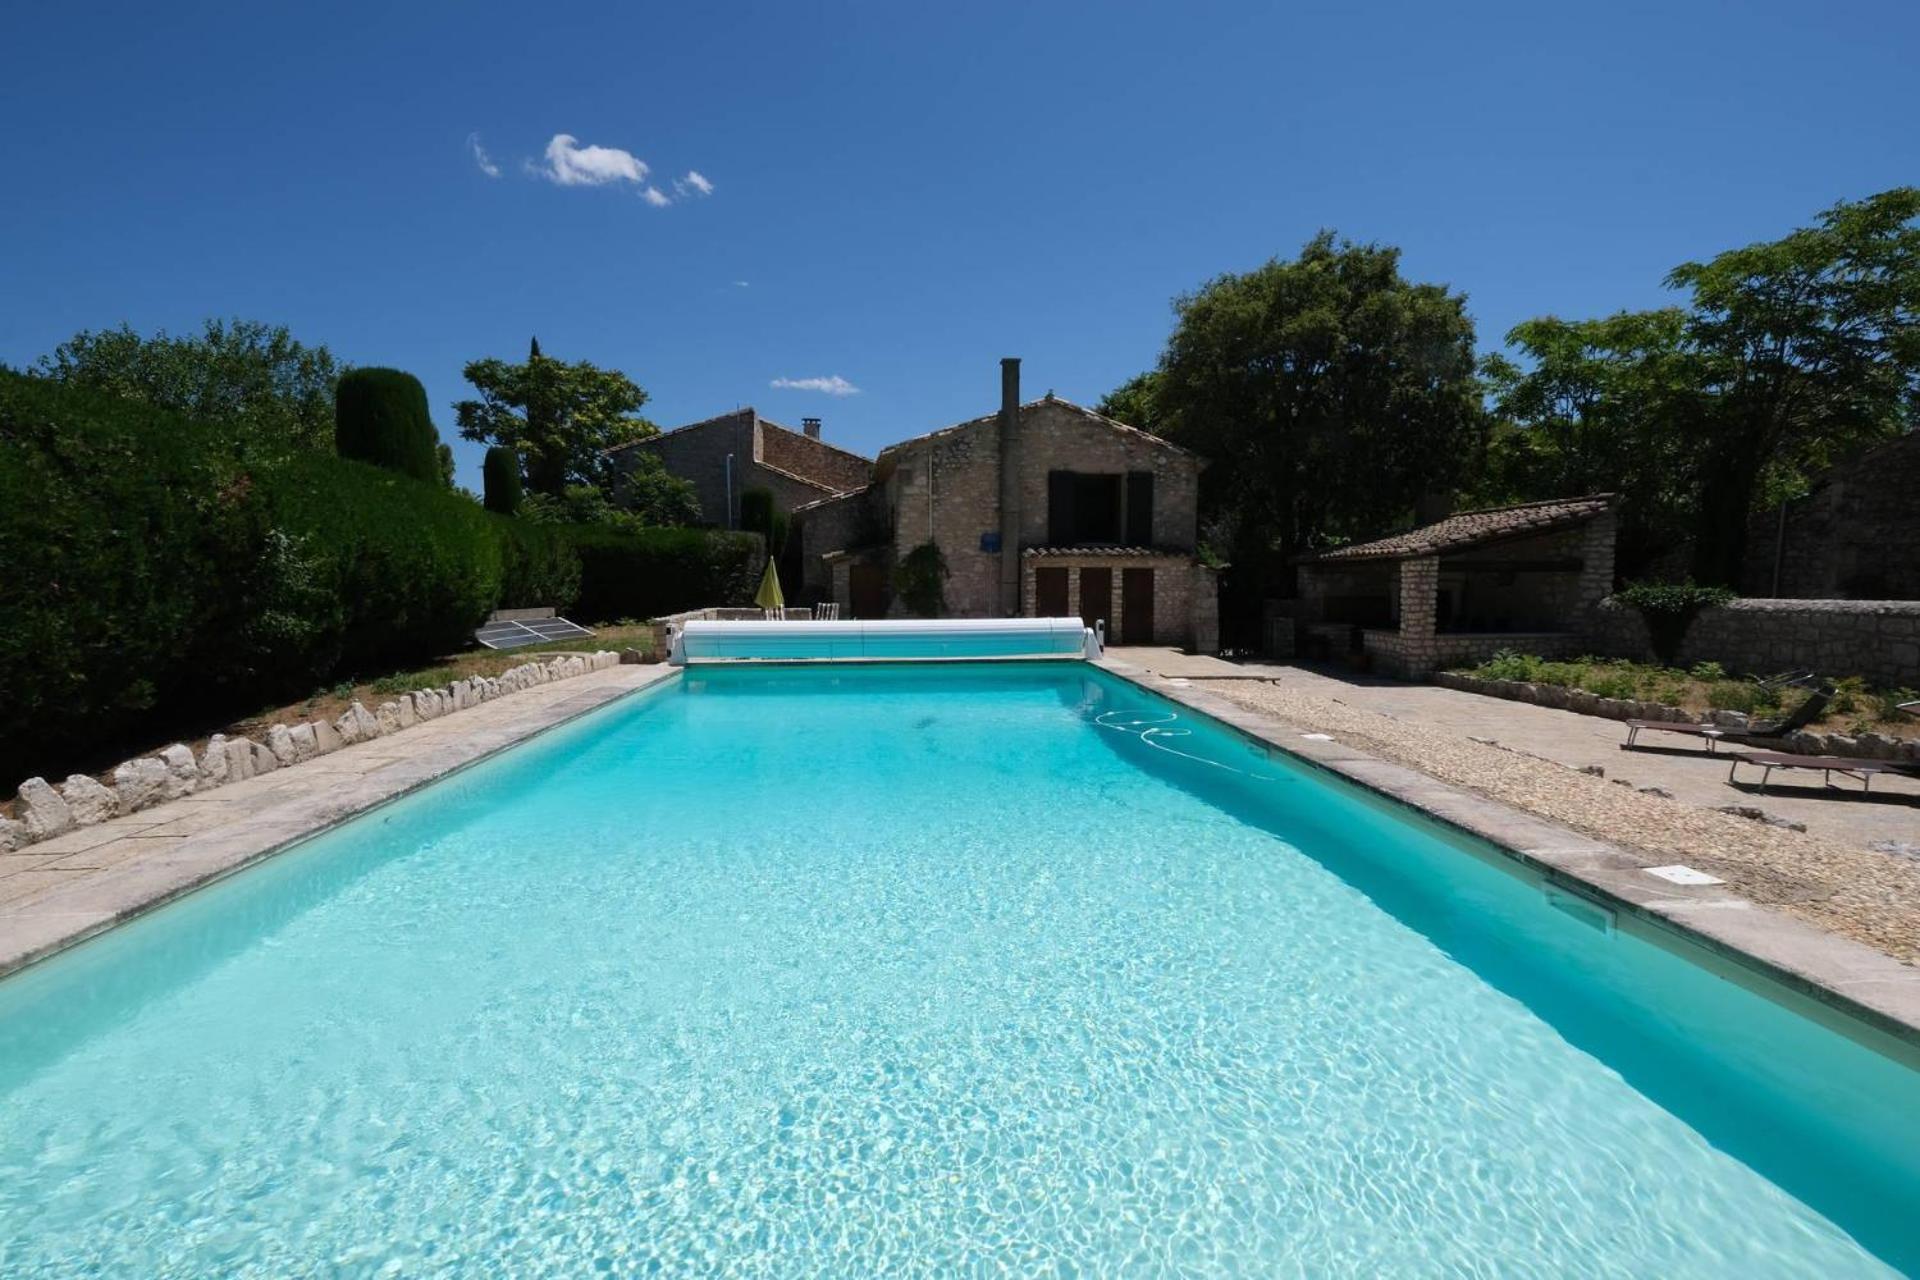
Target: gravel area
1866,895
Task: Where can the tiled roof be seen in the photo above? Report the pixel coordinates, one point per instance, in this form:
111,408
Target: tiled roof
1097,549
1470,528
915,442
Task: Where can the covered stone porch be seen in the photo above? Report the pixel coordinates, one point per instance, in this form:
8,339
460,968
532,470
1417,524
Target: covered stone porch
1142,595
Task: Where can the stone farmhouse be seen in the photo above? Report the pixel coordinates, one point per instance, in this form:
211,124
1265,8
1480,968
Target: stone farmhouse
1041,509
724,457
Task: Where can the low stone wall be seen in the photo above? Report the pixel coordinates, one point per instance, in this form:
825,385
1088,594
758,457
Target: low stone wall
1875,639
1866,746
45,811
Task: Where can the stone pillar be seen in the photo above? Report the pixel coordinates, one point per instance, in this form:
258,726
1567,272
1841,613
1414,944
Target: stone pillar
1596,574
1419,602
1205,624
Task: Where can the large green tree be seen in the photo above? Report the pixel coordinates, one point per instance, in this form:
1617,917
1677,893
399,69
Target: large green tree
1809,346
559,417
1330,393
1612,405
238,372
1793,352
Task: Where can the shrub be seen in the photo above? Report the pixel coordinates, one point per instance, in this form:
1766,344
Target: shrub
380,417
1886,704
651,572
500,478
1669,609
411,568
1610,684
1708,671
539,566
1507,664
1734,695
920,580
135,571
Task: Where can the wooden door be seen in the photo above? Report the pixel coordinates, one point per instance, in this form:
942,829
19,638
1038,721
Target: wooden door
1050,593
1136,606
867,590
1096,598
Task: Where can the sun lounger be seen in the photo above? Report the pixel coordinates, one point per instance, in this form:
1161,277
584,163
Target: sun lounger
1863,770
1810,709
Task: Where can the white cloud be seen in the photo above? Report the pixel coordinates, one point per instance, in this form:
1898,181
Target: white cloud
656,197
739,284
833,386
480,156
572,165
695,181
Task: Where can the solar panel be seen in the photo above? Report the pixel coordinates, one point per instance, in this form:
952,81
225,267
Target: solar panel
516,635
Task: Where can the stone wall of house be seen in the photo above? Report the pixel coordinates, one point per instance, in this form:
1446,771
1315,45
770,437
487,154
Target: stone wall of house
1055,436
1875,639
813,459
1186,598
698,454
947,485
1856,536
834,524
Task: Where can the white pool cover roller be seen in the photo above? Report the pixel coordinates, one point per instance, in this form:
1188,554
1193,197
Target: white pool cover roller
703,641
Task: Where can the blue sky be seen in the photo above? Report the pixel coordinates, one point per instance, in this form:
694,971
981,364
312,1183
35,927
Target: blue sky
900,194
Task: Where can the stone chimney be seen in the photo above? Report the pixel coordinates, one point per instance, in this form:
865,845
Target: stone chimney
1010,486
811,426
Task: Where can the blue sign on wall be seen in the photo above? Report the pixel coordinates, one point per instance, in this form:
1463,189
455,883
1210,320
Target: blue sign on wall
990,541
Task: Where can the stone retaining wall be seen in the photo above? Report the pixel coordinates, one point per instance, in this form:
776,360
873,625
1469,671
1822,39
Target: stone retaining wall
1868,746
1875,639
44,811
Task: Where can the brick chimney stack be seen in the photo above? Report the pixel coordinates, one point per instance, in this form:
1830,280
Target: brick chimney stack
1010,486
811,426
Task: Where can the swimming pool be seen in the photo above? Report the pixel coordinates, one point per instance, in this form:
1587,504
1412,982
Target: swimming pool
790,970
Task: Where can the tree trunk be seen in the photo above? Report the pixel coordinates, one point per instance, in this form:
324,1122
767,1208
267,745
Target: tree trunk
1726,496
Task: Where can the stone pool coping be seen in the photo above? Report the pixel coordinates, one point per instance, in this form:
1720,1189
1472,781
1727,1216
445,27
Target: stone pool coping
1845,976
219,833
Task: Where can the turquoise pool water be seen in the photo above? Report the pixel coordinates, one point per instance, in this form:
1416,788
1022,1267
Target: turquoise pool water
792,971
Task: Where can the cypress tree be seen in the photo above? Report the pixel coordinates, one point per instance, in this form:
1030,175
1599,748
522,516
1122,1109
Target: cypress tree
380,416
501,472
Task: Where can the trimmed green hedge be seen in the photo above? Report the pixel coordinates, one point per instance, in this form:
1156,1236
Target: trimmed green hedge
659,571
380,416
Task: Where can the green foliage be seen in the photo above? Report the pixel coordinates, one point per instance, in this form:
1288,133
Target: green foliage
1602,406
1734,695
410,568
648,573
138,571
1609,684
1331,393
242,373
560,418
1792,353
1509,664
381,417
1135,401
500,478
759,515
1668,609
414,681
920,580
539,566
1886,704
1708,671
653,495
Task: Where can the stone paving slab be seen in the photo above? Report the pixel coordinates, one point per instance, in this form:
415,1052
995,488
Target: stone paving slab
61,891
1844,975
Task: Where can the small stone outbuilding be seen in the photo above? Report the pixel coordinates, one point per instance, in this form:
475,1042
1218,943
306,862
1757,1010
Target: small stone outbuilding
1457,590
1043,509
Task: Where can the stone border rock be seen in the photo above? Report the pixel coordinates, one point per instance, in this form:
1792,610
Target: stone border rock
81,801
1864,746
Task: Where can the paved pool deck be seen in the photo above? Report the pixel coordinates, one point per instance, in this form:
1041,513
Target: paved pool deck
62,891
1889,812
